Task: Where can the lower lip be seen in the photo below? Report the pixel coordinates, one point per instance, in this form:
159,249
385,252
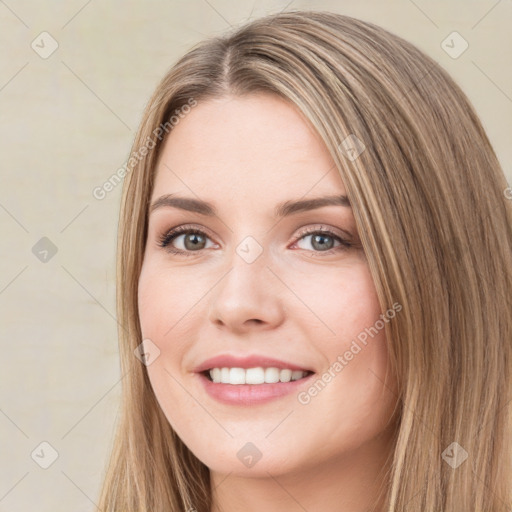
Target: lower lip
250,394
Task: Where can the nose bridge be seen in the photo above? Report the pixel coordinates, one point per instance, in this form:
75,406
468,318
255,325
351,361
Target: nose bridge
247,291
248,275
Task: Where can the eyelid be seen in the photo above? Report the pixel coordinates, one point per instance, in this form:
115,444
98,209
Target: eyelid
345,239
344,235
174,232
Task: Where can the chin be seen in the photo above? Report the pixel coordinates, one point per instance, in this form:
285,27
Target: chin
246,459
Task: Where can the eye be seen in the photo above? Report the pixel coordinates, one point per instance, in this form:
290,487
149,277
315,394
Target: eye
323,240
191,240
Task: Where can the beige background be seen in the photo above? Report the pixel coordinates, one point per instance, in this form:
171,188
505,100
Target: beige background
67,123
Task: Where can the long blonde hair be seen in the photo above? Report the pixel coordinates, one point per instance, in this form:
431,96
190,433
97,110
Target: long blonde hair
428,196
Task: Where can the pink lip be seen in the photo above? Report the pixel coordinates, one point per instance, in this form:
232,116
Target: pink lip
250,394
252,361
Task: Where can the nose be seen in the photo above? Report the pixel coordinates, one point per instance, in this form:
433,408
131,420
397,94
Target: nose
248,297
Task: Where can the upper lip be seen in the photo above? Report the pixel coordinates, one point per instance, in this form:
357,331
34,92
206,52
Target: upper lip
249,361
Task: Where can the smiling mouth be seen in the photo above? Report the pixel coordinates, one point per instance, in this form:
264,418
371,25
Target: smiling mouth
254,376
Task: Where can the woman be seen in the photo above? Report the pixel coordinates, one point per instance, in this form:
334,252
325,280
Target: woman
314,275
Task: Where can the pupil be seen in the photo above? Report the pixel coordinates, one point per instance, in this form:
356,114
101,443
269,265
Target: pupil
322,246
192,240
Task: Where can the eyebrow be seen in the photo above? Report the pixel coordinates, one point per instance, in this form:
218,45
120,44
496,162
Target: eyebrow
281,210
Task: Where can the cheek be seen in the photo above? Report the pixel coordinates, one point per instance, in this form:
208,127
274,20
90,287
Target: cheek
166,298
349,331
169,303
341,302
160,308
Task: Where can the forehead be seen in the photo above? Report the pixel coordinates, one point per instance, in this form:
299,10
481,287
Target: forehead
256,145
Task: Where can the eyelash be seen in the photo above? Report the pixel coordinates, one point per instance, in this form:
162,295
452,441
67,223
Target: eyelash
166,238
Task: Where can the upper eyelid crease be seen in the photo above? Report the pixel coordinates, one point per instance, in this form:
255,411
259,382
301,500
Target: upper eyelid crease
281,210
318,228
346,239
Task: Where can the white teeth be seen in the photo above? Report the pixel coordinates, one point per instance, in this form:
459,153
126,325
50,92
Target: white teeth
286,375
257,375
236,376
296,374
271,375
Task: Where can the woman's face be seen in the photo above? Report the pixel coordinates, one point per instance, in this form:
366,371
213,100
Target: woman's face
265,286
